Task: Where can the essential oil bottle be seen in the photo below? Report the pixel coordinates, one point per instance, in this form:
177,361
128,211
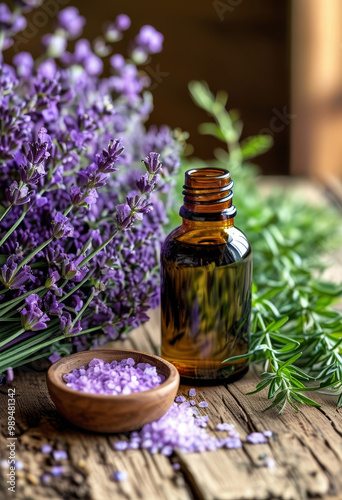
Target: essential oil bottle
206,280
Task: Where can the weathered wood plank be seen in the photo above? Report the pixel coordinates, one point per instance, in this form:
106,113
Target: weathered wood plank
307,447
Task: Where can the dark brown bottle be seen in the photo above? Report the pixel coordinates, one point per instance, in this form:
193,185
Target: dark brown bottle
206,280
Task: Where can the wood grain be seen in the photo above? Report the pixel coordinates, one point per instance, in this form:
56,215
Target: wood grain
307,447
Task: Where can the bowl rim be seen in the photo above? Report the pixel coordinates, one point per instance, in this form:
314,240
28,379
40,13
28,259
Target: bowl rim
52,378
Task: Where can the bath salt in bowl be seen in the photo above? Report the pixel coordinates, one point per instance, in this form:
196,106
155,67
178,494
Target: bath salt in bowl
112,390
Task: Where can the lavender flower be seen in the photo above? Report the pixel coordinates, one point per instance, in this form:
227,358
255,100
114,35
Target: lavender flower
152,163
124,216
75,161
67,325
18,194
71,21
32,317
12,279
62,227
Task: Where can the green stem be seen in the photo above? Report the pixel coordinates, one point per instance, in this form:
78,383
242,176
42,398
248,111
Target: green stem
29,351
21,297
76,287
12,337
32,254
97,250
90,298
6,212
14,227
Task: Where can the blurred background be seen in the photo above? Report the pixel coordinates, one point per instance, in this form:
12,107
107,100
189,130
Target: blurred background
280,62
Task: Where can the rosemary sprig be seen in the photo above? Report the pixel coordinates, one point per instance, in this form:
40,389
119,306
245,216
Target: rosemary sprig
296,332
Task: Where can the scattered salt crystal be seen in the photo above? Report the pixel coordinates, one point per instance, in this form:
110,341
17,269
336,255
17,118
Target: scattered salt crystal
256,438
60,455
232,442
120,475
46,448
192,393
203,404
19,465
269,462
176,466
114,378
46,478
268,434
224,427
57,470
120,445
180,399
192,402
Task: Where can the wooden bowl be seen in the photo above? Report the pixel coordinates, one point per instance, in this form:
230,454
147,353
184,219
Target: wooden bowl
105,413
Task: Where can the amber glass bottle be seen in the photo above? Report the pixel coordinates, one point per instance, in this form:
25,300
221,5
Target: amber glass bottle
206,278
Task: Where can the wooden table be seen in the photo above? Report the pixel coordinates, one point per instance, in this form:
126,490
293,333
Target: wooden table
306,448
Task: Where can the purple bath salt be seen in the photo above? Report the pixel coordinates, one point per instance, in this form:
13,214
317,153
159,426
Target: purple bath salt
268,434
120,475
192,402
224,427
46,449
176,466
57,470
192,392
203,404
115,378
256,438
60,455
120,445
180,399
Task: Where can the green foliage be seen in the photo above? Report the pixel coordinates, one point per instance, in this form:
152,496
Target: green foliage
296,332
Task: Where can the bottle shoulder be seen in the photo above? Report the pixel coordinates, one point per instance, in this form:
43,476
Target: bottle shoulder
228,246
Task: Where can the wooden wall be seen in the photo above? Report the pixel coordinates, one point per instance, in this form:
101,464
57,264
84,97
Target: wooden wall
237,45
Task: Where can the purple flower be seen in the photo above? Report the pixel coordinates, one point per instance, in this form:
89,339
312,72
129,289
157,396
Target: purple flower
105,162
146,184
117,61
38,151
149,40
123,22
17,195
70,20
68,327
55,44
55,308
32,317
52,279
62,227
31,174
12,279
124,216
152,163
24,63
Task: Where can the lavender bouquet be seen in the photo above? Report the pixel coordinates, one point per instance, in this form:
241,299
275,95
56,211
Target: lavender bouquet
80,223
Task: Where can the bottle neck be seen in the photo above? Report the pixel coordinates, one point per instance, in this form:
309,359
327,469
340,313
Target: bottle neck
208,198
213,226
